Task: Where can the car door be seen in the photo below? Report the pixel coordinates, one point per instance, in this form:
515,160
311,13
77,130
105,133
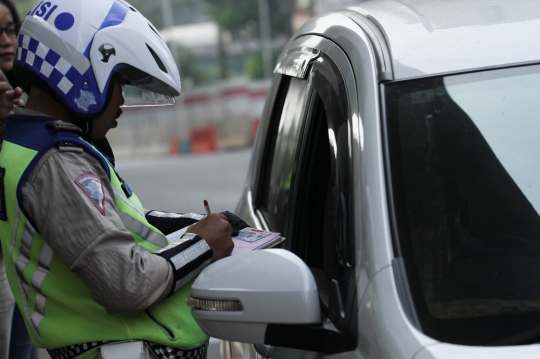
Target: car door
303,182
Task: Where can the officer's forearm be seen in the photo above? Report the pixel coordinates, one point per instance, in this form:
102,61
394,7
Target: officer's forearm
187,259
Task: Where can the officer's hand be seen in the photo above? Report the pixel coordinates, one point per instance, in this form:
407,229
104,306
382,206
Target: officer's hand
216,231
236,222
15,96
8,98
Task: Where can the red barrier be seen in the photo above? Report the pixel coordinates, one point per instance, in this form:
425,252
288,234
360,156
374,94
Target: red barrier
173,145
254,127
203,139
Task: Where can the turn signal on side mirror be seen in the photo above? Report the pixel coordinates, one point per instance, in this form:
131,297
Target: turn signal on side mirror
214,305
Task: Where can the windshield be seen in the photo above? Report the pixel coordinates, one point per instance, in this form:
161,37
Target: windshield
463,154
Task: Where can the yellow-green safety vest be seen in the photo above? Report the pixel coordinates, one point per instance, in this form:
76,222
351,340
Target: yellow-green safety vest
54,301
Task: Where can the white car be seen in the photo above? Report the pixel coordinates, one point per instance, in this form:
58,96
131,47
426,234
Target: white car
398,153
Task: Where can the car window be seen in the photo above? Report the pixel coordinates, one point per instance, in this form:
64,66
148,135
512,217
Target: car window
463,169
281,157
322,199
307,195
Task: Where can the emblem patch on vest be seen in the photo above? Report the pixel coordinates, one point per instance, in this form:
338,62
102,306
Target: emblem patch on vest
91,185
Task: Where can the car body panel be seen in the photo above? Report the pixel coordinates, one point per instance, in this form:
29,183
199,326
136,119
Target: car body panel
450,351
382,320
436,37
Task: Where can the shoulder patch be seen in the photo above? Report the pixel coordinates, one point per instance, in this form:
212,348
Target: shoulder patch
93,188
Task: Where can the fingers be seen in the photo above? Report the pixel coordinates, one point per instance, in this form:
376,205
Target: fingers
17,92
13,95
4,86
210,227
227,220
8,98
216,231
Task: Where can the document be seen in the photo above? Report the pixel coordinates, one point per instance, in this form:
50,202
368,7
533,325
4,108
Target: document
250,239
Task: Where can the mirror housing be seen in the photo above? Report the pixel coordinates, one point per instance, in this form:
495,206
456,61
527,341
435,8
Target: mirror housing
273,286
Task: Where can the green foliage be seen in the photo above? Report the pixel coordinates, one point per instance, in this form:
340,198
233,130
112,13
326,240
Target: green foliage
241,16
184,11
191,71
233,15
254,66
151,9
23,8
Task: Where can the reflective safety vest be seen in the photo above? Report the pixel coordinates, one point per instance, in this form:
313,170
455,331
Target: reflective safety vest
54,301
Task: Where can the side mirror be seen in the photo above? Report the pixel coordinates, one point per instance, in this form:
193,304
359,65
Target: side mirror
238,297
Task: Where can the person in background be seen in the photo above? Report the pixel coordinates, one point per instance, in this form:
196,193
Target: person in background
10,93
14,338
87,262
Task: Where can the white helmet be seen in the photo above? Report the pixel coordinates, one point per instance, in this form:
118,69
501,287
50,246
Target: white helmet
76,46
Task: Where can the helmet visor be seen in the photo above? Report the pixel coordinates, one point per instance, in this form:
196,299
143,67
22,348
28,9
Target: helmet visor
138,97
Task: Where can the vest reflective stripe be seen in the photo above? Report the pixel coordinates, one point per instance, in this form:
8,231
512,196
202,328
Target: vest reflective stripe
36,319
23,286
39,275
184,258
39,303
135,226
20,264
45,259
120,195
143,231
27,238
15,227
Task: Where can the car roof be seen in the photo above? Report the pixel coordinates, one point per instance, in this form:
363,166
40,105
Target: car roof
427,37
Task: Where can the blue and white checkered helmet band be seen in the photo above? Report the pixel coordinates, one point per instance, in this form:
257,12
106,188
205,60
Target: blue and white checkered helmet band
47,62
56,71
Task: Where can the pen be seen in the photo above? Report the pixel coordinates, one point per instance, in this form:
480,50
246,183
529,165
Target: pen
207,208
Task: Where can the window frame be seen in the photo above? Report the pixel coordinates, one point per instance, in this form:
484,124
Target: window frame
338,298
273,140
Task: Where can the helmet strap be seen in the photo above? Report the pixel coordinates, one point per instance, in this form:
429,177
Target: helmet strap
86,125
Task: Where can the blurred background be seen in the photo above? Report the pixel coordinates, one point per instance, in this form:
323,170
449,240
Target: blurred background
225,51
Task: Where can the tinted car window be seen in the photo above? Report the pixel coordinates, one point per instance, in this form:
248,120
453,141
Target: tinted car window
321,229
463,154
282,156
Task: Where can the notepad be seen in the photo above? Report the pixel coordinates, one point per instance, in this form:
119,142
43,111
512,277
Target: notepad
250,239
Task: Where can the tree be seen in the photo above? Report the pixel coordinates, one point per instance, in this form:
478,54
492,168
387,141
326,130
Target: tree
240,16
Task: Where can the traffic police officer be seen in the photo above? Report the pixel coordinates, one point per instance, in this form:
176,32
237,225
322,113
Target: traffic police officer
90,273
